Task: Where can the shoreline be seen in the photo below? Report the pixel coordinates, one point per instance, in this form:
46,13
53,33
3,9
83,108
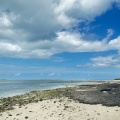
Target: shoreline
15,93
105,96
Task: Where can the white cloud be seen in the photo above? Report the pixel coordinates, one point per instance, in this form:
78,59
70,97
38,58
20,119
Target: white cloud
106,61
4,20
64,42
72,10
33,29
115,43
110,33
17,74
51,74
9,47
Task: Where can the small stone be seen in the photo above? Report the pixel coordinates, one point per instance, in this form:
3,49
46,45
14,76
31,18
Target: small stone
41,99
65,107
26,117
9,114
60,100
6,105
98,114
17,114
30,111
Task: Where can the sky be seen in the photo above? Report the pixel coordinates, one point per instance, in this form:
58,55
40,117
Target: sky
60,39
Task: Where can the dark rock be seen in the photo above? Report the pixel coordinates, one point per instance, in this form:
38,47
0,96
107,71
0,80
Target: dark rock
65,107
9,114
107,89
30,111
60,100
110,97
26,117
41,99
17,114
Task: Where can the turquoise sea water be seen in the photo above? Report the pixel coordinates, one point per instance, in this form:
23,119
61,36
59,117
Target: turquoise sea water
16,87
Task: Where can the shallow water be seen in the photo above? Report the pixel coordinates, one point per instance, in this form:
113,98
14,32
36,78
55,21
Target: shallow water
16,87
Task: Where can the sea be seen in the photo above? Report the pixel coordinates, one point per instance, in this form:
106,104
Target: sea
10,88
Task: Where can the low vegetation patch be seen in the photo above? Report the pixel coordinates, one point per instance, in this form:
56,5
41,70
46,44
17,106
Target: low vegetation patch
117,79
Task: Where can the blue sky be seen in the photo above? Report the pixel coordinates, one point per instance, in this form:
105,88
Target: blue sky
60,39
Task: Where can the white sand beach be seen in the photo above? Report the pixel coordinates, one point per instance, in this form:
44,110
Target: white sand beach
61,109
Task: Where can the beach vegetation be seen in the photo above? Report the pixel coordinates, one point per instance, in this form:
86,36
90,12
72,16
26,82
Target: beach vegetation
117,79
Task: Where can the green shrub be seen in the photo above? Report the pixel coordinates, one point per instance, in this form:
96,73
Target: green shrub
117,79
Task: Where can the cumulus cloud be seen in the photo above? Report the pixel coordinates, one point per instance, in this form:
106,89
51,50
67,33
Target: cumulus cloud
72,10
115,43
107,61
34,29
64,42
